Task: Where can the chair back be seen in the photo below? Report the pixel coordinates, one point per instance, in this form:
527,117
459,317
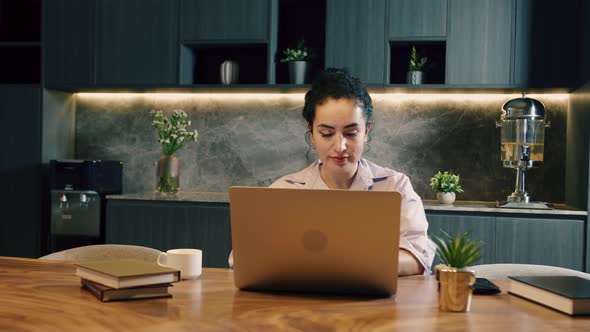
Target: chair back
105,252
503,271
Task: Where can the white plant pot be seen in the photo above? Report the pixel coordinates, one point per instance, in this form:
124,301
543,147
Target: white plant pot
445,198
299,72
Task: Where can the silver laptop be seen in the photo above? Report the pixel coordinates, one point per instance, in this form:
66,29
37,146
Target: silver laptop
329,241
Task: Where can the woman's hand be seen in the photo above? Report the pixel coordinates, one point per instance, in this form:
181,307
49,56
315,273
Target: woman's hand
408,264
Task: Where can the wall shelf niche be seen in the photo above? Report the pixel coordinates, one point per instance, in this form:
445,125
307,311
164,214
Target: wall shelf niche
400,51
301,19
201,63
20,42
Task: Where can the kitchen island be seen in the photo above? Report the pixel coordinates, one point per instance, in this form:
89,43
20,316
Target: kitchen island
201,220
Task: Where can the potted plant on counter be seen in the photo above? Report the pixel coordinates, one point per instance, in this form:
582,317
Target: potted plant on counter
416,67
454,277
446,185
298,60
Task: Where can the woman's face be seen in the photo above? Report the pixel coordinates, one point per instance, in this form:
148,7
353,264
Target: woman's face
339,133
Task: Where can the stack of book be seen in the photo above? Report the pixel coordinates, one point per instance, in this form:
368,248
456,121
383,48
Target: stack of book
126,279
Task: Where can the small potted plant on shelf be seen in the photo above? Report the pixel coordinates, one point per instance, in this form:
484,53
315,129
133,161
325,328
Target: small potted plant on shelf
446,184
416,67
454,277
298,60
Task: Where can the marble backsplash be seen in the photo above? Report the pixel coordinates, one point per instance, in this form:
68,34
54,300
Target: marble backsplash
253,139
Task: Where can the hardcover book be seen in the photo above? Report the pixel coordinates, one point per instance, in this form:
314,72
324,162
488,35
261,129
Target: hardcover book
126,273
570,295
106,294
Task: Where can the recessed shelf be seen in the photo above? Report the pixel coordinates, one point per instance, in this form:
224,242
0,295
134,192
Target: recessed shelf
20,64
20,20
293,28
400,51
201,63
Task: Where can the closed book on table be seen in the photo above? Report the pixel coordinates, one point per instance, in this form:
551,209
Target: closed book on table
126,273
106,294
570,295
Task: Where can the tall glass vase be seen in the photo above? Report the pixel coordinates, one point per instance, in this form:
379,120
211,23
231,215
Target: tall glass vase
168,175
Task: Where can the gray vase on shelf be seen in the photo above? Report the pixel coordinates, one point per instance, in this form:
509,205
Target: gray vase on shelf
229,71
299,72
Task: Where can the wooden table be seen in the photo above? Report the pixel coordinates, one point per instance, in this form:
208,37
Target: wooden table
46,296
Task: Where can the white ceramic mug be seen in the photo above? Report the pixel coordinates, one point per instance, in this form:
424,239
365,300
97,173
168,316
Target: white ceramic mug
188,261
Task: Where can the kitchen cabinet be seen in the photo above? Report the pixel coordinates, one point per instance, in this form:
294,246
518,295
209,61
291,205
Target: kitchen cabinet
20,116
110,42
355,38
212,32
479,42
481,228
136,42
167,225
548,37
225,20
407,19
20,170
556,242
69,42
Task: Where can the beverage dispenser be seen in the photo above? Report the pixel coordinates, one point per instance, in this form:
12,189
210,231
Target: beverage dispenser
78,190
522,126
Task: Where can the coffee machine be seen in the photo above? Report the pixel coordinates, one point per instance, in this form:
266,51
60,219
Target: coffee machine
522,126
78,190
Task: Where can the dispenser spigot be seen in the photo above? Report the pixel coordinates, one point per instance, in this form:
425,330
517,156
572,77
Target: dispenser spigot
84,200
525,153
63,201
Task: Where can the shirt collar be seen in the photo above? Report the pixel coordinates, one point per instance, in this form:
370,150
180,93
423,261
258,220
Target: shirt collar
367,174
363,180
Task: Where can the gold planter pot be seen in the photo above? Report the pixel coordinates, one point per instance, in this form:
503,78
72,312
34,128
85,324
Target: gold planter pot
455,288
168,175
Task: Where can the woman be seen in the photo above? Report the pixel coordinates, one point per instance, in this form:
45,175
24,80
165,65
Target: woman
339,115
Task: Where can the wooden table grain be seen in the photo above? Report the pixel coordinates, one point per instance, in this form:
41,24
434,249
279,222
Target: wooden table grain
46,296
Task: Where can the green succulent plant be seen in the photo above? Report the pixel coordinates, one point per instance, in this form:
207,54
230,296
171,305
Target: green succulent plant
457,251
417,62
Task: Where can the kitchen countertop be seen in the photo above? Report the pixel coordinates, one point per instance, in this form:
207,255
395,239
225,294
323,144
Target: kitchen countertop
479,206
181,196
429,205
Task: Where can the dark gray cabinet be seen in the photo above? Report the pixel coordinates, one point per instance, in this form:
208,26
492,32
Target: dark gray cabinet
548,37
69,42
137,42
481,228
557,242
20,171
355,38
168,225
223,20
110,42
416,19
479,42
519,239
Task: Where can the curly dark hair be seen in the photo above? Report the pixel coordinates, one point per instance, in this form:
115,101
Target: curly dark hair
337,83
